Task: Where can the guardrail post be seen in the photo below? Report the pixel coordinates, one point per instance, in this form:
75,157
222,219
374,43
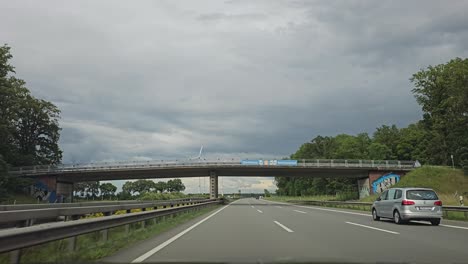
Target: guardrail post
104,234
331,163
372,162
15,256
399,164
318,163
386,163
71,243
346,163
360,163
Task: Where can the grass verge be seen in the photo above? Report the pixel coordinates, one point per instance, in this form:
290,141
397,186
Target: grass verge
91,247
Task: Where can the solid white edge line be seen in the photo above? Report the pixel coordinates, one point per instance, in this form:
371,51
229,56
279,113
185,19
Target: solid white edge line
452,226
259,211
283,226
302,212
174,238
374,228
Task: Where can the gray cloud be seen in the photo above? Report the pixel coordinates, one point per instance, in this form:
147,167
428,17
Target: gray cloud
243,78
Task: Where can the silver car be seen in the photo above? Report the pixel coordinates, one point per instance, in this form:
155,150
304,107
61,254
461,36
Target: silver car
405,204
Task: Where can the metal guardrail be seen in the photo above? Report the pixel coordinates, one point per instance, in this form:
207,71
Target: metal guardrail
82,204
317,163
27,217
445,209
15,239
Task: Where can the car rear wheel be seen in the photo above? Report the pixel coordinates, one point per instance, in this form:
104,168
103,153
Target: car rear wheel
397,218
374,215
435,222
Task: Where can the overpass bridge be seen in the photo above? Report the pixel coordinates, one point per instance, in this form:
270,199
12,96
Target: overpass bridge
61,178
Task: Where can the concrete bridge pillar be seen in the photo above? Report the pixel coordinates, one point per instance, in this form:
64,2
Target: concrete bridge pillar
213,185
64,191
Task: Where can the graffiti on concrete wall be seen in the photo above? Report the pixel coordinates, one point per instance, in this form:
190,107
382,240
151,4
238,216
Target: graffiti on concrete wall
42,192
384,182
364,190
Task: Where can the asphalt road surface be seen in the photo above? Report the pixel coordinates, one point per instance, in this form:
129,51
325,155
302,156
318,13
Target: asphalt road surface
251,230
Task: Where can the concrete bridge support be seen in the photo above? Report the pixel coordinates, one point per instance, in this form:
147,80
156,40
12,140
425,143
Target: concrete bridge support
65,191
213,185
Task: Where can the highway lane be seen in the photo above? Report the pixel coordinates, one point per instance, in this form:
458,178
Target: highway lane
253,230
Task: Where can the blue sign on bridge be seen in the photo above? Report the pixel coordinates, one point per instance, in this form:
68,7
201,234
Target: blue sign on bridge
270,162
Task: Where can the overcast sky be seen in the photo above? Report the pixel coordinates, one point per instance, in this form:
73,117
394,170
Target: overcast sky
157,79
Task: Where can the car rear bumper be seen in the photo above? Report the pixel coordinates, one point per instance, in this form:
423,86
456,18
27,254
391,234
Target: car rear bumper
408,215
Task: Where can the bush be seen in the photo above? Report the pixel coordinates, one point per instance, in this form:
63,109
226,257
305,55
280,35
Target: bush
152,196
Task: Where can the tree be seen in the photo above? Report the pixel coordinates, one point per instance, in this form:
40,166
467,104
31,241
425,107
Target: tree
378,151
351,147
175,185
107,189
29,130
160,186
267,193
442,91
143,186
128,187
388,136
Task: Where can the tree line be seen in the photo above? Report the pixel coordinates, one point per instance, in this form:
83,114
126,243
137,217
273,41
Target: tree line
130,190
442,93
29,128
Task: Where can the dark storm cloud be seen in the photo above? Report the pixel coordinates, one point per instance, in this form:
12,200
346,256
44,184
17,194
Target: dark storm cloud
243,78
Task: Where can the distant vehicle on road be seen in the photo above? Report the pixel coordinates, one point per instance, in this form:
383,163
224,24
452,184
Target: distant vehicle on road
406,204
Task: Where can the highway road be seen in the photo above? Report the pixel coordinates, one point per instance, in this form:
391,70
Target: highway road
251,230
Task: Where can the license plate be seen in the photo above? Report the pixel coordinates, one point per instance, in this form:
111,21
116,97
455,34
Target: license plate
425,207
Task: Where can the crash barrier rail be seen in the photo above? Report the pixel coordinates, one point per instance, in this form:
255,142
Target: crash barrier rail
13,240
317,163
23,218
445,209
82,204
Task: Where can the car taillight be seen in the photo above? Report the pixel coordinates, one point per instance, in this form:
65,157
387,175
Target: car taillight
438,203
407,202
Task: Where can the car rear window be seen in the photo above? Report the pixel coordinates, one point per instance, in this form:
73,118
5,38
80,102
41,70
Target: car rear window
421,195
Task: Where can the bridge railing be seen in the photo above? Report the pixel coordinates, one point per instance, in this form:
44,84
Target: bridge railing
318,163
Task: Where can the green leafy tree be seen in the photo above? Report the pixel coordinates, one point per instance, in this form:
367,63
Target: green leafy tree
388,136
175,185
29,130
267,193
107,190
442,91
379,151
143,186
128,187
160,186
352,147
